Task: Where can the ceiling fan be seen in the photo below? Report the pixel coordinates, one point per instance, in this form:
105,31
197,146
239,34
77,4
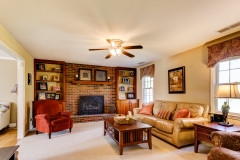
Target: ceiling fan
116,48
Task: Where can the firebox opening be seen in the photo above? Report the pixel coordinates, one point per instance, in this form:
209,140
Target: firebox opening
89,105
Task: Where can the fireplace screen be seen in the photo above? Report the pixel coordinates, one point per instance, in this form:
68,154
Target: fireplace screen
89,105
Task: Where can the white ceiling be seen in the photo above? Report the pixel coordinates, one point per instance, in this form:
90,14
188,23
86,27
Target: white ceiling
65,29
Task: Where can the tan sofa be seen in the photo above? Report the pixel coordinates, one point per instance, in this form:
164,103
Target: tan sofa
179,132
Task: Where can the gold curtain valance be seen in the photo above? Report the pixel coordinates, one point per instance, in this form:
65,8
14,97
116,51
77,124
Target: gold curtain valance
147,71
220,51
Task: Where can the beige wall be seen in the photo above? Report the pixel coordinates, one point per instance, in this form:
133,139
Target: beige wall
196,73
8,78
11,42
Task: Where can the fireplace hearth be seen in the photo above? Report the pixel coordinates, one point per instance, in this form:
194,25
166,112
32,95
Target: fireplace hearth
90,105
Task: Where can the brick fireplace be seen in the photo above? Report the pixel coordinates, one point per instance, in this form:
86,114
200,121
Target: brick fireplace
73,92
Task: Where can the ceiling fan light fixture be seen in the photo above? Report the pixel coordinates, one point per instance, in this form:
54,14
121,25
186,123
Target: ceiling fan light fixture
115,51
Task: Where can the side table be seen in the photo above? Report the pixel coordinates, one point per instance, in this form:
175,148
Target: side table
8,153
202,132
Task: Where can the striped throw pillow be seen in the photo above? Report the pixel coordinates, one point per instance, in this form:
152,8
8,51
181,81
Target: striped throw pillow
163,114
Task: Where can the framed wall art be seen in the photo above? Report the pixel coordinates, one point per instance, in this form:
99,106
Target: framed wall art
41,96
45,78
101,75
56,78
130,95
40,66
57,96
85,74
48,95
43,86
126,80
176,80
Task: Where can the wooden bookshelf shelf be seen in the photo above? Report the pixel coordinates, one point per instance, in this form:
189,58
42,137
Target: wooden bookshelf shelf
91,83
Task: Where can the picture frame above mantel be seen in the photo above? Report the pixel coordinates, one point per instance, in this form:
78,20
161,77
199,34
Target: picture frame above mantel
85,74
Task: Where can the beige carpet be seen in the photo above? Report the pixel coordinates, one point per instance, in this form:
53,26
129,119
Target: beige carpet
87,142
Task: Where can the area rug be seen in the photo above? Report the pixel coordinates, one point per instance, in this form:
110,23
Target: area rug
86,142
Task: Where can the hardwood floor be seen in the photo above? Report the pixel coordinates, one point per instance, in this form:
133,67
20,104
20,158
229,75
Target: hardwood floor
8,137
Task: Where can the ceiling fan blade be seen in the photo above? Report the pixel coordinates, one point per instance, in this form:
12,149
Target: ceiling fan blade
128,54
108,56
98,49
133,47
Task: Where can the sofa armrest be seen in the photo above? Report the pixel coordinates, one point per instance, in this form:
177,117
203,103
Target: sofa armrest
188,122
230,140
136,110
65,114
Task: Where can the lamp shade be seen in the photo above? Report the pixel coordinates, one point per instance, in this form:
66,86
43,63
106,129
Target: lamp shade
227,91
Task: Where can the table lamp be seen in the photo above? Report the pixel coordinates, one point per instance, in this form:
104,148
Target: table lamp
227,91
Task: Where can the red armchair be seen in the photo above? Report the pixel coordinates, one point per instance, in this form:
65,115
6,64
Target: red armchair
50,119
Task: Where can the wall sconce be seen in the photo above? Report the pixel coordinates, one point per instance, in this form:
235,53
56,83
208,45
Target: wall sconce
108,78
76,76
15,88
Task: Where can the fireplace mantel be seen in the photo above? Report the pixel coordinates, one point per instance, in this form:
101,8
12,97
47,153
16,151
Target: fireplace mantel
91,82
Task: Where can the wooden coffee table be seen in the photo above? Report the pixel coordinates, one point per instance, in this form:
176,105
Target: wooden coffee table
128,134
202,132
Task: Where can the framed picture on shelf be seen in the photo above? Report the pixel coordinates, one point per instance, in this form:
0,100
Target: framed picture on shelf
122,88
56,78
48,95
122,96
56,88
130,95
130,89
41,96
52,95
126,80
43,86
131,73
122,73
45,78
176,80
41,66
57,96
101,75
85,74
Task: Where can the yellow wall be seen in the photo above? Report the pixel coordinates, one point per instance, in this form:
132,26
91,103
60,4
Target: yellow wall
11,42
8,70
196,73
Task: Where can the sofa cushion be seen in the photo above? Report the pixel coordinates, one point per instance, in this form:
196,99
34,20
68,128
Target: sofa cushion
139,117
168,106
163,114
147,108
156,107
182,113
195,110
165,125
150,120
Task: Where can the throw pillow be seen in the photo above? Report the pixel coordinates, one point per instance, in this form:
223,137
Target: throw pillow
182,113
163,114
147,108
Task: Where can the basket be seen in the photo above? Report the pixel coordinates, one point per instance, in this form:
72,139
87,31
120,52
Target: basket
122,119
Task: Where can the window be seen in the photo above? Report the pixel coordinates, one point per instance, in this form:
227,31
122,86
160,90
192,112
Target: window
147,86
228,72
